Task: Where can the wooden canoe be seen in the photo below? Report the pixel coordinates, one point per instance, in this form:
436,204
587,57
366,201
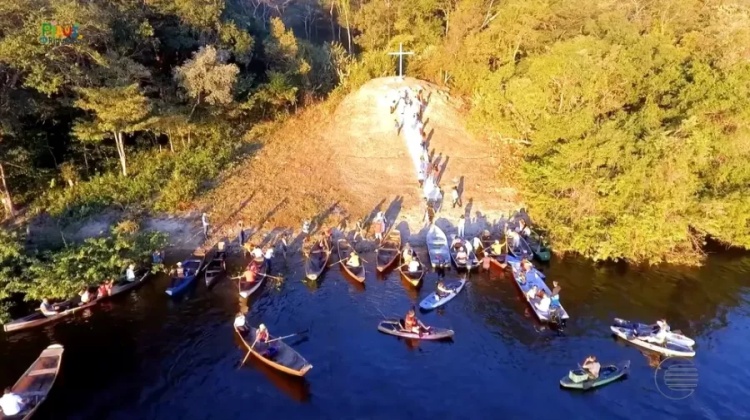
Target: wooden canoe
388,251
355,273
286,359
122,285
413,278
317,260
37,318
35,384
215,268
246,289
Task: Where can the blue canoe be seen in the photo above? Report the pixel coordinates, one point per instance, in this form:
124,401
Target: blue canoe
192,268
534,278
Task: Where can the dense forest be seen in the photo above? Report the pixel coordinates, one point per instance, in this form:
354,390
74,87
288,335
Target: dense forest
630,117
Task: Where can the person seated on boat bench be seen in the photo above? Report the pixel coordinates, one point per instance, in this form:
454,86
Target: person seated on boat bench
461,256
531,293
257,253
544,303
85,296
251,273
156,257
47,309
413,266
353,260
592,367
11,403
442,290
130,273
102,290
659,336
456,244
412,324
240,323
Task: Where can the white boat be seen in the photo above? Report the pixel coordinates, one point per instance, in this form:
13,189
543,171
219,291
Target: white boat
437,247
667,349
435,299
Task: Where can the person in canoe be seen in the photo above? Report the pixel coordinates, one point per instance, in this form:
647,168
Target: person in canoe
555,293
11,403
251,273
407,254
544,303
461,256
130,273
531,293
257,253
659,335
177,274
412,324
85,296
522,229
413,266
262,336
592,367
442,290
353,260
157,258
47,309
497,248
102,290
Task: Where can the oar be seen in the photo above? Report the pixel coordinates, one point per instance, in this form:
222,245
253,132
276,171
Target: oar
270,276
287,336
250,350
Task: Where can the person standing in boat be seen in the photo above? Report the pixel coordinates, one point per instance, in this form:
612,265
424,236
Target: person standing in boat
544,303
47,309
11,404
102,291
461,256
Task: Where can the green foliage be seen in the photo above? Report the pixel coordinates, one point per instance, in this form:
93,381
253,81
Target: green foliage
635,114
12,261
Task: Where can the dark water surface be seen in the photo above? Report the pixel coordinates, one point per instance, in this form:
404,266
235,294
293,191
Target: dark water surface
147,356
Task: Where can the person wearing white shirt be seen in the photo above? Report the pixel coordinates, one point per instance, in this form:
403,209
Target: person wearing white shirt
257,253
543,304
204,222
531,294
130,273
413,266
461,226
10,403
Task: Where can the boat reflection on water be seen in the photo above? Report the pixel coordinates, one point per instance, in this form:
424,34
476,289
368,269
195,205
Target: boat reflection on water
295,388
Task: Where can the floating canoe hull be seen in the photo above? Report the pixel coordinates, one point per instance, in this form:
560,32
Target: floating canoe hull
668,349
35,384
317,261
393,327
285,360
388,251
435,300
607,375
645,329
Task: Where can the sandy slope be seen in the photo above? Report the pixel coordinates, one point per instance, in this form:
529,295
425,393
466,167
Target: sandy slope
345,166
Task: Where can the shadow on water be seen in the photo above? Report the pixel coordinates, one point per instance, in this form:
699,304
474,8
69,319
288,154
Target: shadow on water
148,356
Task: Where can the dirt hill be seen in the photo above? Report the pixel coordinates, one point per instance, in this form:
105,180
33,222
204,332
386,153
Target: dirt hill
340,168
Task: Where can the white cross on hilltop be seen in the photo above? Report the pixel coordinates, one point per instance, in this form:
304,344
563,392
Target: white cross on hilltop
401,53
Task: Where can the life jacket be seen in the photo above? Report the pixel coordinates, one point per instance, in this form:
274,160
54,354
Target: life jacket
262,336
103,291
410,322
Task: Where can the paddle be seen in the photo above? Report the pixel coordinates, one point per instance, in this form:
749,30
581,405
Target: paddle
270,276
287,336
250,350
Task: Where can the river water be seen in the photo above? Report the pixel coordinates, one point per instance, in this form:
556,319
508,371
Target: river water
147,356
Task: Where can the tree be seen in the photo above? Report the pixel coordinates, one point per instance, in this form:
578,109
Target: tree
116,111
207,78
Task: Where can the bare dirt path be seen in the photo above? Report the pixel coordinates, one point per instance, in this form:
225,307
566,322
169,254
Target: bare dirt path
340,167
